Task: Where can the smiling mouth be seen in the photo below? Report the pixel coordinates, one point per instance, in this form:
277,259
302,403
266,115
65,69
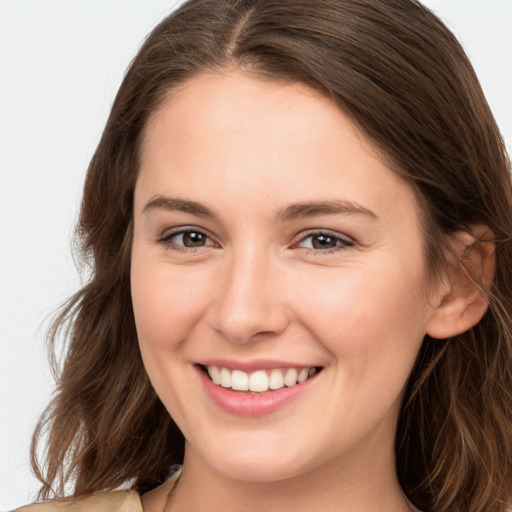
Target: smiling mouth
259,381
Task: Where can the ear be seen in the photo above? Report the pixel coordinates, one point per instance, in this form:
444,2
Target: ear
463,298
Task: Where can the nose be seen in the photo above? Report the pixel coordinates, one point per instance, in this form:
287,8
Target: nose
250,303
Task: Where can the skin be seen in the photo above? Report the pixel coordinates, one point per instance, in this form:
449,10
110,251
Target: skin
259,288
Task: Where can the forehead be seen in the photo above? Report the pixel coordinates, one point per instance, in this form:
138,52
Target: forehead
229,108
221,132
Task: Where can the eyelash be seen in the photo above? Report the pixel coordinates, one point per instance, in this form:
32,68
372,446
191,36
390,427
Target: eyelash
342,243
167,239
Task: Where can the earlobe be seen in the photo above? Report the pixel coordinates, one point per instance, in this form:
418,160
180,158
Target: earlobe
467,283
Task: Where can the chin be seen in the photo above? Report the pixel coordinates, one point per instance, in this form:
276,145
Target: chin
259,471
257,461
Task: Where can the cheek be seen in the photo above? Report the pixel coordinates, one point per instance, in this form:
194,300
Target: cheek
372,323
167,305
370,315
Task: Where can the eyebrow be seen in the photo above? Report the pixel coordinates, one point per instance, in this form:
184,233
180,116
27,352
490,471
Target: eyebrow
294,211
178,204
318,208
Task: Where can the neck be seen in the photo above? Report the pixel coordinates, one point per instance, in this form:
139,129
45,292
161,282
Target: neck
340,486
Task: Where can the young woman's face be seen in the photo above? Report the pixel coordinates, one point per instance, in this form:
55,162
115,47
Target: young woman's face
272,244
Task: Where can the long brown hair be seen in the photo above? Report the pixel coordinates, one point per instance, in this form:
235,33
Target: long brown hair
401,75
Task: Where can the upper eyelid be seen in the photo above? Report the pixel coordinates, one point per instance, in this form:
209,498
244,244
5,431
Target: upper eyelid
320,231
169,232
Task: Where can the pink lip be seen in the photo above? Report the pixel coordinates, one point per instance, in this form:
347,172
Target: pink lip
252,366
249,404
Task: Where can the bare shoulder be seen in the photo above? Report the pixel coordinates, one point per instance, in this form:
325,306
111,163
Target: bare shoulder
115,501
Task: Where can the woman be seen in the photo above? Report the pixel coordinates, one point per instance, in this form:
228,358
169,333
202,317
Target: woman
298,220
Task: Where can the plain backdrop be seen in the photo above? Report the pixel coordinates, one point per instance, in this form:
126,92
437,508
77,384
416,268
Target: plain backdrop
61,62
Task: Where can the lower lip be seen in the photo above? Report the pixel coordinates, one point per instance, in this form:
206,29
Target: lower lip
252,404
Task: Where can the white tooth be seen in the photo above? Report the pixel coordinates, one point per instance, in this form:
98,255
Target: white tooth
303,375
258,381
239,380
290,378
225,378
312,371
214,374
276,380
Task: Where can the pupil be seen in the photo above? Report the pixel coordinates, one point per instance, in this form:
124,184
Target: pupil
323,242
193,239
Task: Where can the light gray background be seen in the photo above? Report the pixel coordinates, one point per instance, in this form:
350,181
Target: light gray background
61,62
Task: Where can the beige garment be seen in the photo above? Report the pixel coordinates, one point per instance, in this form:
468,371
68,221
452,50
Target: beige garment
114,501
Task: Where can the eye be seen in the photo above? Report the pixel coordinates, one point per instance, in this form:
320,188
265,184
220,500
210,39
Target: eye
324,241
187,239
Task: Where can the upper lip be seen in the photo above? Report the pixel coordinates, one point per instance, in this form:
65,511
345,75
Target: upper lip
254,365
